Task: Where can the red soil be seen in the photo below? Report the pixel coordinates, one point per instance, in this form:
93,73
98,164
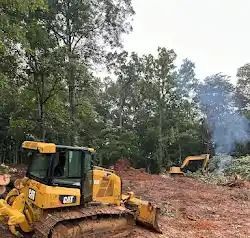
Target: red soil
189,208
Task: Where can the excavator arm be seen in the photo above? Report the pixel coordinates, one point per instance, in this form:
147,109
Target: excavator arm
204,157
187,160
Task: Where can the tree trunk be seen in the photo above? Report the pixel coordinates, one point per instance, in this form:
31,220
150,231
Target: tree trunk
40,106
161,100
41,120
180,154
122,99
160,137
120,117
71,85
71,82
16,153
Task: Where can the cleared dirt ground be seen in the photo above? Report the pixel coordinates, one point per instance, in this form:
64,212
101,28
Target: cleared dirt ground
189,208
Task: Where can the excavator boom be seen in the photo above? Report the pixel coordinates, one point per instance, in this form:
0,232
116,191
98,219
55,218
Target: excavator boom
203,157
175,170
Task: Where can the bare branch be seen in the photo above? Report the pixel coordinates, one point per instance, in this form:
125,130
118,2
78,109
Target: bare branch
78,40
51,94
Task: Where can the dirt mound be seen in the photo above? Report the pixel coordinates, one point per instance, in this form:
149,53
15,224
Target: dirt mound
136,174
122,165
123,168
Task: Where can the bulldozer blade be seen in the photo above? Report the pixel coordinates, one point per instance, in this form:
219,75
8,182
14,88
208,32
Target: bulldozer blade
148,217
145,213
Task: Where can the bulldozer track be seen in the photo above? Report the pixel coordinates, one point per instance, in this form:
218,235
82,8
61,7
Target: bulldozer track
85,222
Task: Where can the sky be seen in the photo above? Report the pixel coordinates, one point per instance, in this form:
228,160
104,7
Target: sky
214,34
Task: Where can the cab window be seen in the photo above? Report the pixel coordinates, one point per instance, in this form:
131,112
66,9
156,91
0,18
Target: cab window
39,165
67,168
87,162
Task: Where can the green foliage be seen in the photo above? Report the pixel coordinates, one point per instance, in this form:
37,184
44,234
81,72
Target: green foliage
243,87
116,144
145,110
211,178
240,166
12,26
22,6
147,87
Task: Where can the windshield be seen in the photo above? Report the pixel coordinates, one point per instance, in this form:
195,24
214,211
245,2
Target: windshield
65,167
68,167
39,165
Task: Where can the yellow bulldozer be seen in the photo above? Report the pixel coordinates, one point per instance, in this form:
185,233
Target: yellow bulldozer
64,195
204,158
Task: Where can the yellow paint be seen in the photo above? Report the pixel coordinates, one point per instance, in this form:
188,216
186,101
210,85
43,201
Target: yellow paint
106,186
15,216
146,213
203,157
48,196
91,150
12,195
175,170
45,148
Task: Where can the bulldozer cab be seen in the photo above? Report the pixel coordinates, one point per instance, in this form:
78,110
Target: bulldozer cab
63,166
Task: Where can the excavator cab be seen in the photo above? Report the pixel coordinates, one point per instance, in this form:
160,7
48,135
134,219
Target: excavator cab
191,163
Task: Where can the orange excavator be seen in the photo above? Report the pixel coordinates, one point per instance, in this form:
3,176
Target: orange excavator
201,160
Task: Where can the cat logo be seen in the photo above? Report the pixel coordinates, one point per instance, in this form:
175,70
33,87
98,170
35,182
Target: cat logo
32,194
67,199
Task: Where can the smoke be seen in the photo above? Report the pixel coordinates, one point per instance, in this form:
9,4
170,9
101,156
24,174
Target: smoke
227,125
225,161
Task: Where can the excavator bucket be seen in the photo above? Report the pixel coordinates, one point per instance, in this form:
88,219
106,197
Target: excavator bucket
145,212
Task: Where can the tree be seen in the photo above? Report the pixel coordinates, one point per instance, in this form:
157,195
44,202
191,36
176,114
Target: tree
148,86
243,87
85,28
186,80
47,49
118,144
159,73
128,72
12,28
44,67
12,36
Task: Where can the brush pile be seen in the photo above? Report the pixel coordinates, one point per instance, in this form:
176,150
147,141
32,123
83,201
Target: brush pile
227,171
239,166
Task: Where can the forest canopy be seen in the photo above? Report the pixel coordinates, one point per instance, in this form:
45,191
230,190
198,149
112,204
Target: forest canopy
147,110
